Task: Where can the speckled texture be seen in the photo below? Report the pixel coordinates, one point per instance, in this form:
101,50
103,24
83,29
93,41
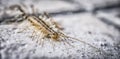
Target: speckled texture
97,29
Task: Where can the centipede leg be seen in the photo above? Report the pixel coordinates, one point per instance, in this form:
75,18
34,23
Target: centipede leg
53,45
65,38
41,39
42,42
82,42
64,44
32,36
34,10
38,39
69,43
23,29
88,44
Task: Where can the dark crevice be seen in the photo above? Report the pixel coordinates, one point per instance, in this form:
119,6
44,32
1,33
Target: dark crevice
107,7
72,2
110,23
7,18
67,12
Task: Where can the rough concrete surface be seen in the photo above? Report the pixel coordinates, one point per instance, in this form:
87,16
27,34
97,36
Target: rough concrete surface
96,22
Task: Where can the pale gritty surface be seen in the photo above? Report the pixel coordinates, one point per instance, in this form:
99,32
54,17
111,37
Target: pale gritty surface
100,29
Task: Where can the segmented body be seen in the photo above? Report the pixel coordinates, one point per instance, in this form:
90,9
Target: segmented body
44,27
40,24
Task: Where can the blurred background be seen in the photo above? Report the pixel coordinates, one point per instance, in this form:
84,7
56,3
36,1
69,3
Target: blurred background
62,7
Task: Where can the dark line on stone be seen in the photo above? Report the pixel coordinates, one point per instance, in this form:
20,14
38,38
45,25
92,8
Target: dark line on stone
107,7
110,23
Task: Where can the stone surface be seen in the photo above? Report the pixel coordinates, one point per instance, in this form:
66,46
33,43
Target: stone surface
100,28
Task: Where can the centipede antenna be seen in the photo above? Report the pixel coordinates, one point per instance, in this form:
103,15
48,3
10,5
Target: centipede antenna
81,41
87,44
18,7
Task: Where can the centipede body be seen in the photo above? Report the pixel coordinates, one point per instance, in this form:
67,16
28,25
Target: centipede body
47,30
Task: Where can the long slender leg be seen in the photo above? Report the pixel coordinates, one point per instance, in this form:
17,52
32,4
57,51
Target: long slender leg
38,38
66,39
33,34
41,37
42,43
82,41
17,18
53,45
33,9
88,44
20,9
68,42
46,14
70,39
64,43
78,40
23,29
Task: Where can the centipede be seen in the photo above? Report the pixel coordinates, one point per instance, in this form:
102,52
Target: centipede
49,29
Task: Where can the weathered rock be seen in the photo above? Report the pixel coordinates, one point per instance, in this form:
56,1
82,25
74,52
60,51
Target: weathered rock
88,27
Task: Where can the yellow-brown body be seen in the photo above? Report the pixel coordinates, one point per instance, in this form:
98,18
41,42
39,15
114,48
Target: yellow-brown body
43,27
